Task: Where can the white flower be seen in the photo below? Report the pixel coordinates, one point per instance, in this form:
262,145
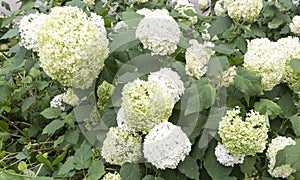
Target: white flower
184,5
90,3
120,26
228,76
197,57
295,25
203,4
225,158
98,22
121,146
159,32
170,81
72,50
120,120
144,11
219,8
166,145
243,9
277,144
269,64
145,105
28,28
111,176
56,102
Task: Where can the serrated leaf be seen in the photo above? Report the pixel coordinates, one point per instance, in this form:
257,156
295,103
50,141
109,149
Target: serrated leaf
295,63
28,102
247,82
96,170
83,156
289,155
72,136
53,126
51,113
223,49
287,105
130,171
247,167
219,25
67,166
295,120
10,34
266,106
189,167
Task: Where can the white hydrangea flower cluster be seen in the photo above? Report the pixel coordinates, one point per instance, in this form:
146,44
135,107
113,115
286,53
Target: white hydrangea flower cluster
98,22
28,28
243,9
166,145
225,158
112,176
159,32
72,50
120,26
202,4
219,8
268,64
197,57
276,145
121,146
145,104
120,120
185,5
56,102
144,11
228,76
169,81
243,137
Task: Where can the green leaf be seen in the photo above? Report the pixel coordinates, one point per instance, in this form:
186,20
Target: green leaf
286,3
289,155
219,25
9,175
123,38
51,113
10,34
83,156
5,5
295,120
247,82
287,105
109,117
223,49
42,158
28,102
62,156
212,166
22,166
255,29
150,177
295,63
266,106
130,171
247,167
42,178
78,3
53,126
189,167
96,170
130,15
67,166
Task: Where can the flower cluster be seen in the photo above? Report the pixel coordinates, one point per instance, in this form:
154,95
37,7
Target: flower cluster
228,76
145,104
56,102
197,57
90,3
121,146
295,25
219,8
184,5
71,98
276,145
104,92
166,145
159,32
243,9
111,176
268,64
28,28
243,137
225,158
72,50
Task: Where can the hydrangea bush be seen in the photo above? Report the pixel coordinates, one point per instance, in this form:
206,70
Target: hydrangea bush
162,89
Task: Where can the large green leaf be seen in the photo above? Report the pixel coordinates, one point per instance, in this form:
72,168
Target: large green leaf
51,113
190,168
266,106
83,156
289,155
295,120
28,102
96,170
295,63
67,166
219,25
287,105
10,34
53,126
130,171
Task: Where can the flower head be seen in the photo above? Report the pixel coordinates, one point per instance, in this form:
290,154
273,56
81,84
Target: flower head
71,98
197,57
104,93
166,145
121,146
145,104
72,50
243,137
184,5
112,176
56,102
159,32
225,158
276,145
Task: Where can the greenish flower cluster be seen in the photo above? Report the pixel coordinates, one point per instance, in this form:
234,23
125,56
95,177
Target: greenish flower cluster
104,92
71,98
243,137
121,146
145,104
71,48
112,176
